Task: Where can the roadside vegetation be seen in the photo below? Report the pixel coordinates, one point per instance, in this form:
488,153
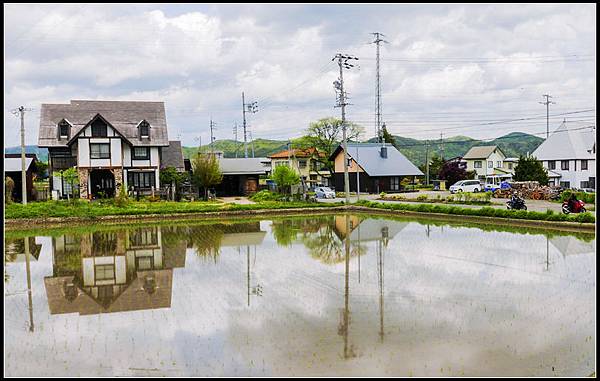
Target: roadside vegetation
466,198
588,198
483,212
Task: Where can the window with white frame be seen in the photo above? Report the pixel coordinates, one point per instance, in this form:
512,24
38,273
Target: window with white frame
584,166
564,165
141,153
490,164
477,164
144,129
498,164
100,151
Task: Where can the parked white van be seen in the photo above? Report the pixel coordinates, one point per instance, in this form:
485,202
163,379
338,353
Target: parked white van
466,186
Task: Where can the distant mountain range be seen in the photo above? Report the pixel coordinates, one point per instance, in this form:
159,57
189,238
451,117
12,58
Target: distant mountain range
513,145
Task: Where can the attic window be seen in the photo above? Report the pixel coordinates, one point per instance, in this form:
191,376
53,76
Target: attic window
63,129
144,129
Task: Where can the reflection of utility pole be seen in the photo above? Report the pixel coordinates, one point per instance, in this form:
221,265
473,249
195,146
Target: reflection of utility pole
28,270
427,231
257,290
343,328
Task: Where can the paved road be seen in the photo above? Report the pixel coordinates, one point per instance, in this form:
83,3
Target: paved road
533,205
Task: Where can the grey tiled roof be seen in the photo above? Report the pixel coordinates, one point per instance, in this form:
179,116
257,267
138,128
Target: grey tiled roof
369,158
241,166
124,116
172,156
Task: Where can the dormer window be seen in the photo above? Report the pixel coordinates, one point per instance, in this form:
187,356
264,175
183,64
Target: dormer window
144,129
99,129
63,129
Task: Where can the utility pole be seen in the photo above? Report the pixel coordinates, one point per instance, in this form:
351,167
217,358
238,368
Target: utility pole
28,270
442,144
235,135
357,175
339,86
212,138
21,111
377,41
251,142
427,163
251,107
547,103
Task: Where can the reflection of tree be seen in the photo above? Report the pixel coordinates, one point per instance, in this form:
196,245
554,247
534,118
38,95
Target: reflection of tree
206,239
325,245
285,231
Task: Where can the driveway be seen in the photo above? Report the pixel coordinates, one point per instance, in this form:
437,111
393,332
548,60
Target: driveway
532,205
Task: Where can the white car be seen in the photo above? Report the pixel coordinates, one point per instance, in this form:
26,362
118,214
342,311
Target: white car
466,186
324,192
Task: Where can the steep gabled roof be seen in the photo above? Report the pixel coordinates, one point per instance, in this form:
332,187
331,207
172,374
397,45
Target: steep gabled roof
172,156
481,152
368,157
124,116
565,143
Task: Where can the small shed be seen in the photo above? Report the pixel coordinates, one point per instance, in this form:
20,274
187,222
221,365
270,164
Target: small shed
12,169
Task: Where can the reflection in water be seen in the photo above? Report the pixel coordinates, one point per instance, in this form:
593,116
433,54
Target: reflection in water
461,301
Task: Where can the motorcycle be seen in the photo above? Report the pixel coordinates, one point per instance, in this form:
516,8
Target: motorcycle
516,203
578,207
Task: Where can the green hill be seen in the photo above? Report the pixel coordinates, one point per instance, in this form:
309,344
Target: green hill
513,145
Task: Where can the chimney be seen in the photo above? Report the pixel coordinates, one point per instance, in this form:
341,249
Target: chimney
383,152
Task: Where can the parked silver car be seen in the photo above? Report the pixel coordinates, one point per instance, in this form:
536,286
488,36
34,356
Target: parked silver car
324,192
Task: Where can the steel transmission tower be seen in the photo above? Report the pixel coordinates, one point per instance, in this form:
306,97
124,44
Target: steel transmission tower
547,103
378,41
341,102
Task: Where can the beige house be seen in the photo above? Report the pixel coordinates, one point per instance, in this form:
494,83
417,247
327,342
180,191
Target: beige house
309,163
489,164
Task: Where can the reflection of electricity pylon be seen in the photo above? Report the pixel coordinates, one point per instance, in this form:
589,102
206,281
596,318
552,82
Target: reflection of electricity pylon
344,325
547,262
382,242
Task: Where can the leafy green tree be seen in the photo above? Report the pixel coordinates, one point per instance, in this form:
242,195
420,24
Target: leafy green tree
326,134
206,172
285,177
170,176
71,176
530,169
41,169
435,165
387,137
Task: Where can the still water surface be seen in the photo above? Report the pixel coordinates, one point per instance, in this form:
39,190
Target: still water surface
329,295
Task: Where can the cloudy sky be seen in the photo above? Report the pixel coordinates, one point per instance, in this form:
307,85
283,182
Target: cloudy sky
458,69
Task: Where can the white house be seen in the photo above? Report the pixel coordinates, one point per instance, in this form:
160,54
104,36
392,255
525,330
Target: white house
488,162
111,143
569,155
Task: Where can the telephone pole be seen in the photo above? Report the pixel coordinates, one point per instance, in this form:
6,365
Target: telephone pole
21,111
377,41
427,162
235,135
341,102
442,144
212,138
547,103
251,108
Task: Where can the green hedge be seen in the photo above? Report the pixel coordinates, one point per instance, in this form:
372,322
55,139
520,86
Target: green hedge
485,212
81,208
588,198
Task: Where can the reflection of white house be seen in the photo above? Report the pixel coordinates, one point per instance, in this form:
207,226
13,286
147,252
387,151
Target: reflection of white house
569,155
120,271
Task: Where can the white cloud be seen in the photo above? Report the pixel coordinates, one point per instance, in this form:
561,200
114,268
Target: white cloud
200,58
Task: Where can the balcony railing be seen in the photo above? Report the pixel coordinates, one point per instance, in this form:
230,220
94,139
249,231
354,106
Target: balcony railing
59,163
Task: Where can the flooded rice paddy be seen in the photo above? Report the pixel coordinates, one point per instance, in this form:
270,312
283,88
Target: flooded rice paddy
328,295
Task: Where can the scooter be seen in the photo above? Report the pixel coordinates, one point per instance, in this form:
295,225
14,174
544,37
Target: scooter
516,203
578,207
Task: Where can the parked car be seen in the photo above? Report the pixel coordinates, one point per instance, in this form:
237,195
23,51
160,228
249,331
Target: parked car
466,186
324,192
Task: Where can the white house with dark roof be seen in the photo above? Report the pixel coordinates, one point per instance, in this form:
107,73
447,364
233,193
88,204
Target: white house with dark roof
380,168
488,162
111,143
569,155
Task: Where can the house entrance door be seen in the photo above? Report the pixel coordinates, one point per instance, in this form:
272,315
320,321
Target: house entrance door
102,182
